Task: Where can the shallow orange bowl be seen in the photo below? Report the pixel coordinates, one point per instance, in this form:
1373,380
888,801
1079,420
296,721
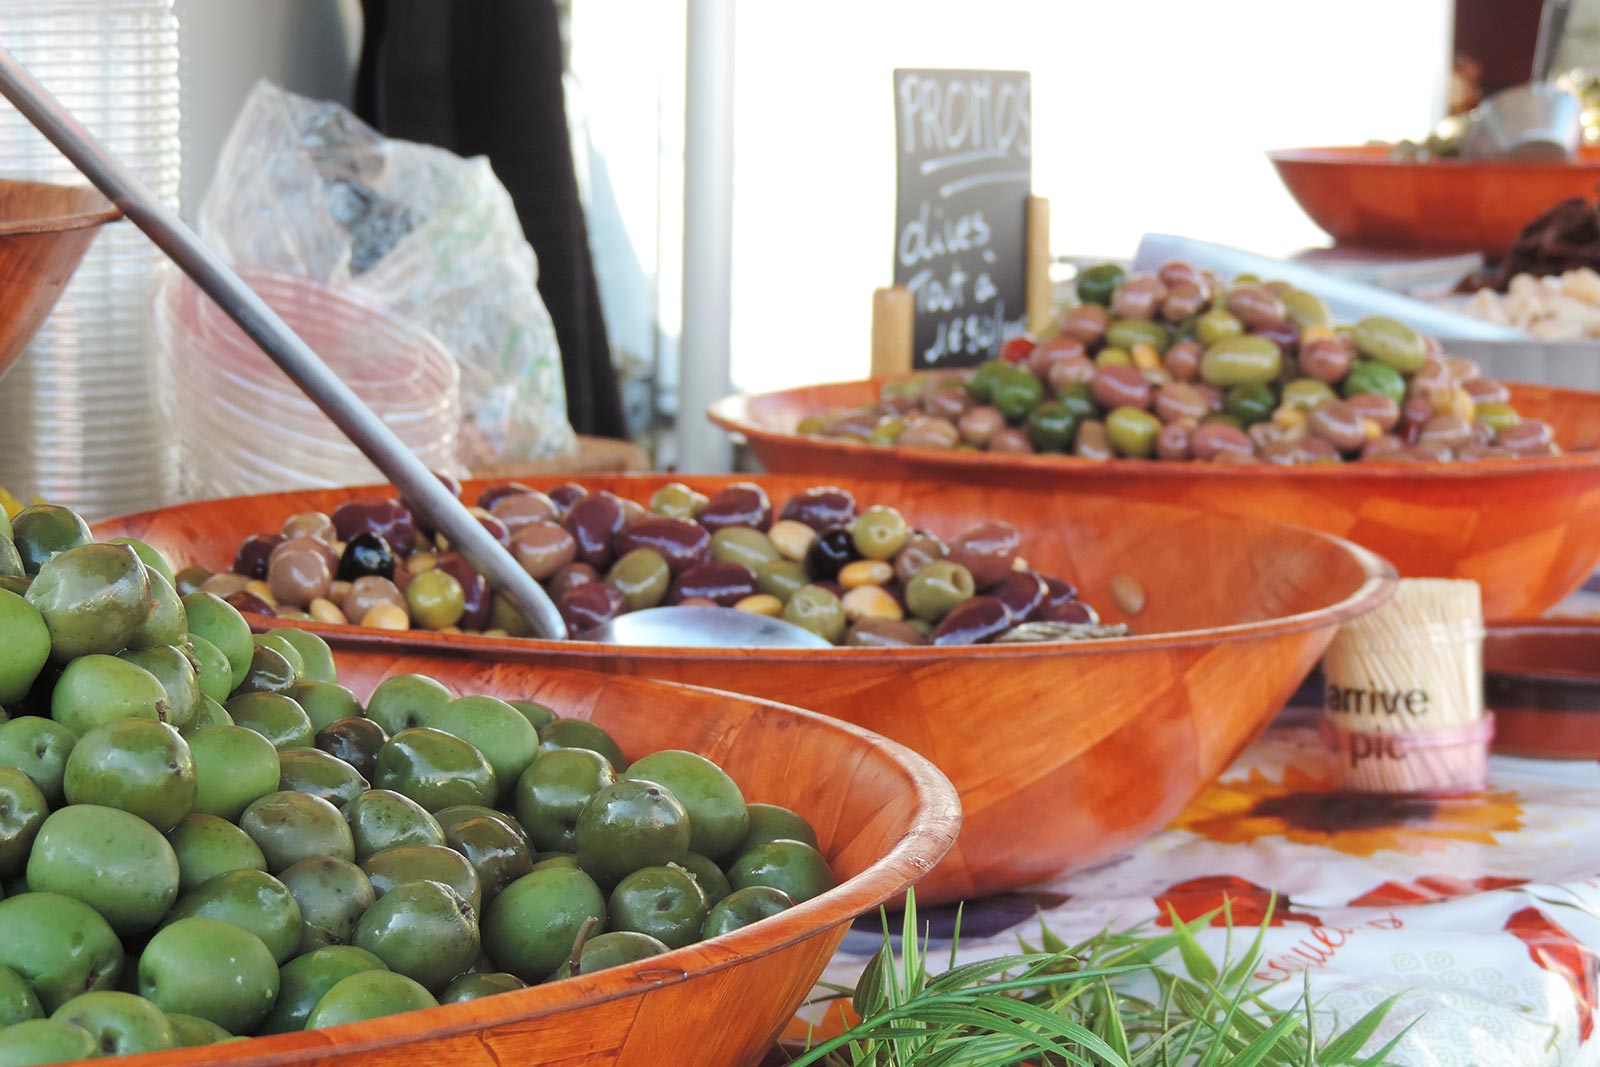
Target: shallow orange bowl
1528,531
1362,197
1063,754
883,817
1542,681
44,232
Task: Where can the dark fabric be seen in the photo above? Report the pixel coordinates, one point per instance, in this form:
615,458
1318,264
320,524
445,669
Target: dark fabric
484,78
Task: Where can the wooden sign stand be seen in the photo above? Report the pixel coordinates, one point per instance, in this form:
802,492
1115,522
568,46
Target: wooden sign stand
893,311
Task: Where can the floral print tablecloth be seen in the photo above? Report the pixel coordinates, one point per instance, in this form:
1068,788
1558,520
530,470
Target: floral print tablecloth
1483,911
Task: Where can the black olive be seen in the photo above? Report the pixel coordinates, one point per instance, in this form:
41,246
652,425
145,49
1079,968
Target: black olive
364,554
829,552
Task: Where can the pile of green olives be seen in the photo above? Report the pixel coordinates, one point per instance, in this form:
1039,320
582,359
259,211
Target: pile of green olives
851,574
204,836
1176,365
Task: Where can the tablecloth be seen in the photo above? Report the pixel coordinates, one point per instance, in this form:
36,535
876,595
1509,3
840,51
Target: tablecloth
1483,911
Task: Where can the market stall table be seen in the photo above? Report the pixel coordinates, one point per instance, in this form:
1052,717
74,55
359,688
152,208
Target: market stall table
1482,911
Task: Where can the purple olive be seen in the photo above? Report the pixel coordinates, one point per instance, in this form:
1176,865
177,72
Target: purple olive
589,605
426,527
390,518
496,493
567,494
516,510
1022,593
254,553
681,542
1072,611
366,553
474,589
1057,591
570,577
739,504
974,621
720,582
821,507
593,521
830,550
987,550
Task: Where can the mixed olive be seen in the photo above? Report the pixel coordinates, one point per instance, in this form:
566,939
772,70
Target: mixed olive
1175,365
203,835
854,575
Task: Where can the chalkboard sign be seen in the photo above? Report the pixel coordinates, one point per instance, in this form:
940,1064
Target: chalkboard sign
965,153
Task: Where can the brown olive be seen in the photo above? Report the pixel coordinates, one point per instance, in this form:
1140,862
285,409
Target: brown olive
987,550
930,432
570,577
1010,441
225,584
1172,442
1379,407
1053,350
1255,305
920,549
680,542
1526,438
883,633
380,515
253,554
721,583
1341,425
246,601
948,401
1463,369
1417,409
589,605
310,524
1487,390
355,740
1086,323
298,571
1433,376
1216,438
1176,270
1180,400
820,507
495,493
739,504
1327,359
975,620
1451,431
543,548
566,494
1069,371
1281,451
517,510
1281,332
1138,298
1184,300
1091,441
978,424
368,592
1182,360
1119,387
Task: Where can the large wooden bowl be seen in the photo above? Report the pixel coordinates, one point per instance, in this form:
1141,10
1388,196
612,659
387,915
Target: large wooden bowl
1362,197
883,817
44,232
1528,530
1063,754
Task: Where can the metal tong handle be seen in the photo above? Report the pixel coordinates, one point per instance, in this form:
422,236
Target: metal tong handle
277,340
1552,27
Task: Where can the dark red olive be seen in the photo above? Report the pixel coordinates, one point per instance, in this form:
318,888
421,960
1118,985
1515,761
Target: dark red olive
474,587
589,605
355,740
254,554
1072,611
245,600
739,504
495,493
1057,591
1280,332
543,548
974,621
920,549
519,509
378,515
721,582
681,542
830,550
426,527
567,494
883,633
570,577
593,521
987,550
1022,593
497,529
821,507
366,553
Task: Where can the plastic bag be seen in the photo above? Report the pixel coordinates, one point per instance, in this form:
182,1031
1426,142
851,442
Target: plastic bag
305,187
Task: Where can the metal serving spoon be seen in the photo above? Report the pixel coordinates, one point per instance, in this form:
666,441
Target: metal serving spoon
670,627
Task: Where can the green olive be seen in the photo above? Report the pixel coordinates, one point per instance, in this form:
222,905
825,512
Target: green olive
1052,426
642,577
1370,376
1215,325
742,545
1113,357
1306,309
814,608
1392,342
1498,417
1250,402
1132,432
937,588
781,578
879,532
1233,360
1096,284
678,501
1125,333
436,599
1307,393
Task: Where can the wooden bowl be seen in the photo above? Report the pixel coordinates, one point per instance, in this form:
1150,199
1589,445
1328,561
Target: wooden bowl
44,232
883,817
1527,530
1542,681
1362,197
1063,754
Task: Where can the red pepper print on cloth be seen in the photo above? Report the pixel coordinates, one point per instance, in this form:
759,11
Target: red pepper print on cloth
1245,902
1430,889
1557,951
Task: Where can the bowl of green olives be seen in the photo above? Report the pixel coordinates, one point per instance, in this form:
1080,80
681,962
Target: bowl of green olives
208,835
1242,398
1199,627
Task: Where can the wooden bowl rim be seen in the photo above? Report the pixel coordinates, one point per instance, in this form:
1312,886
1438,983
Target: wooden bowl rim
932,833
74,220
732,413
1332,156
1376,587
1586,628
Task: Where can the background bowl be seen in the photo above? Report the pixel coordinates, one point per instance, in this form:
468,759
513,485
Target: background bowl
883,816
1542,679
1362,197
44,232
1527,530
1063,754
